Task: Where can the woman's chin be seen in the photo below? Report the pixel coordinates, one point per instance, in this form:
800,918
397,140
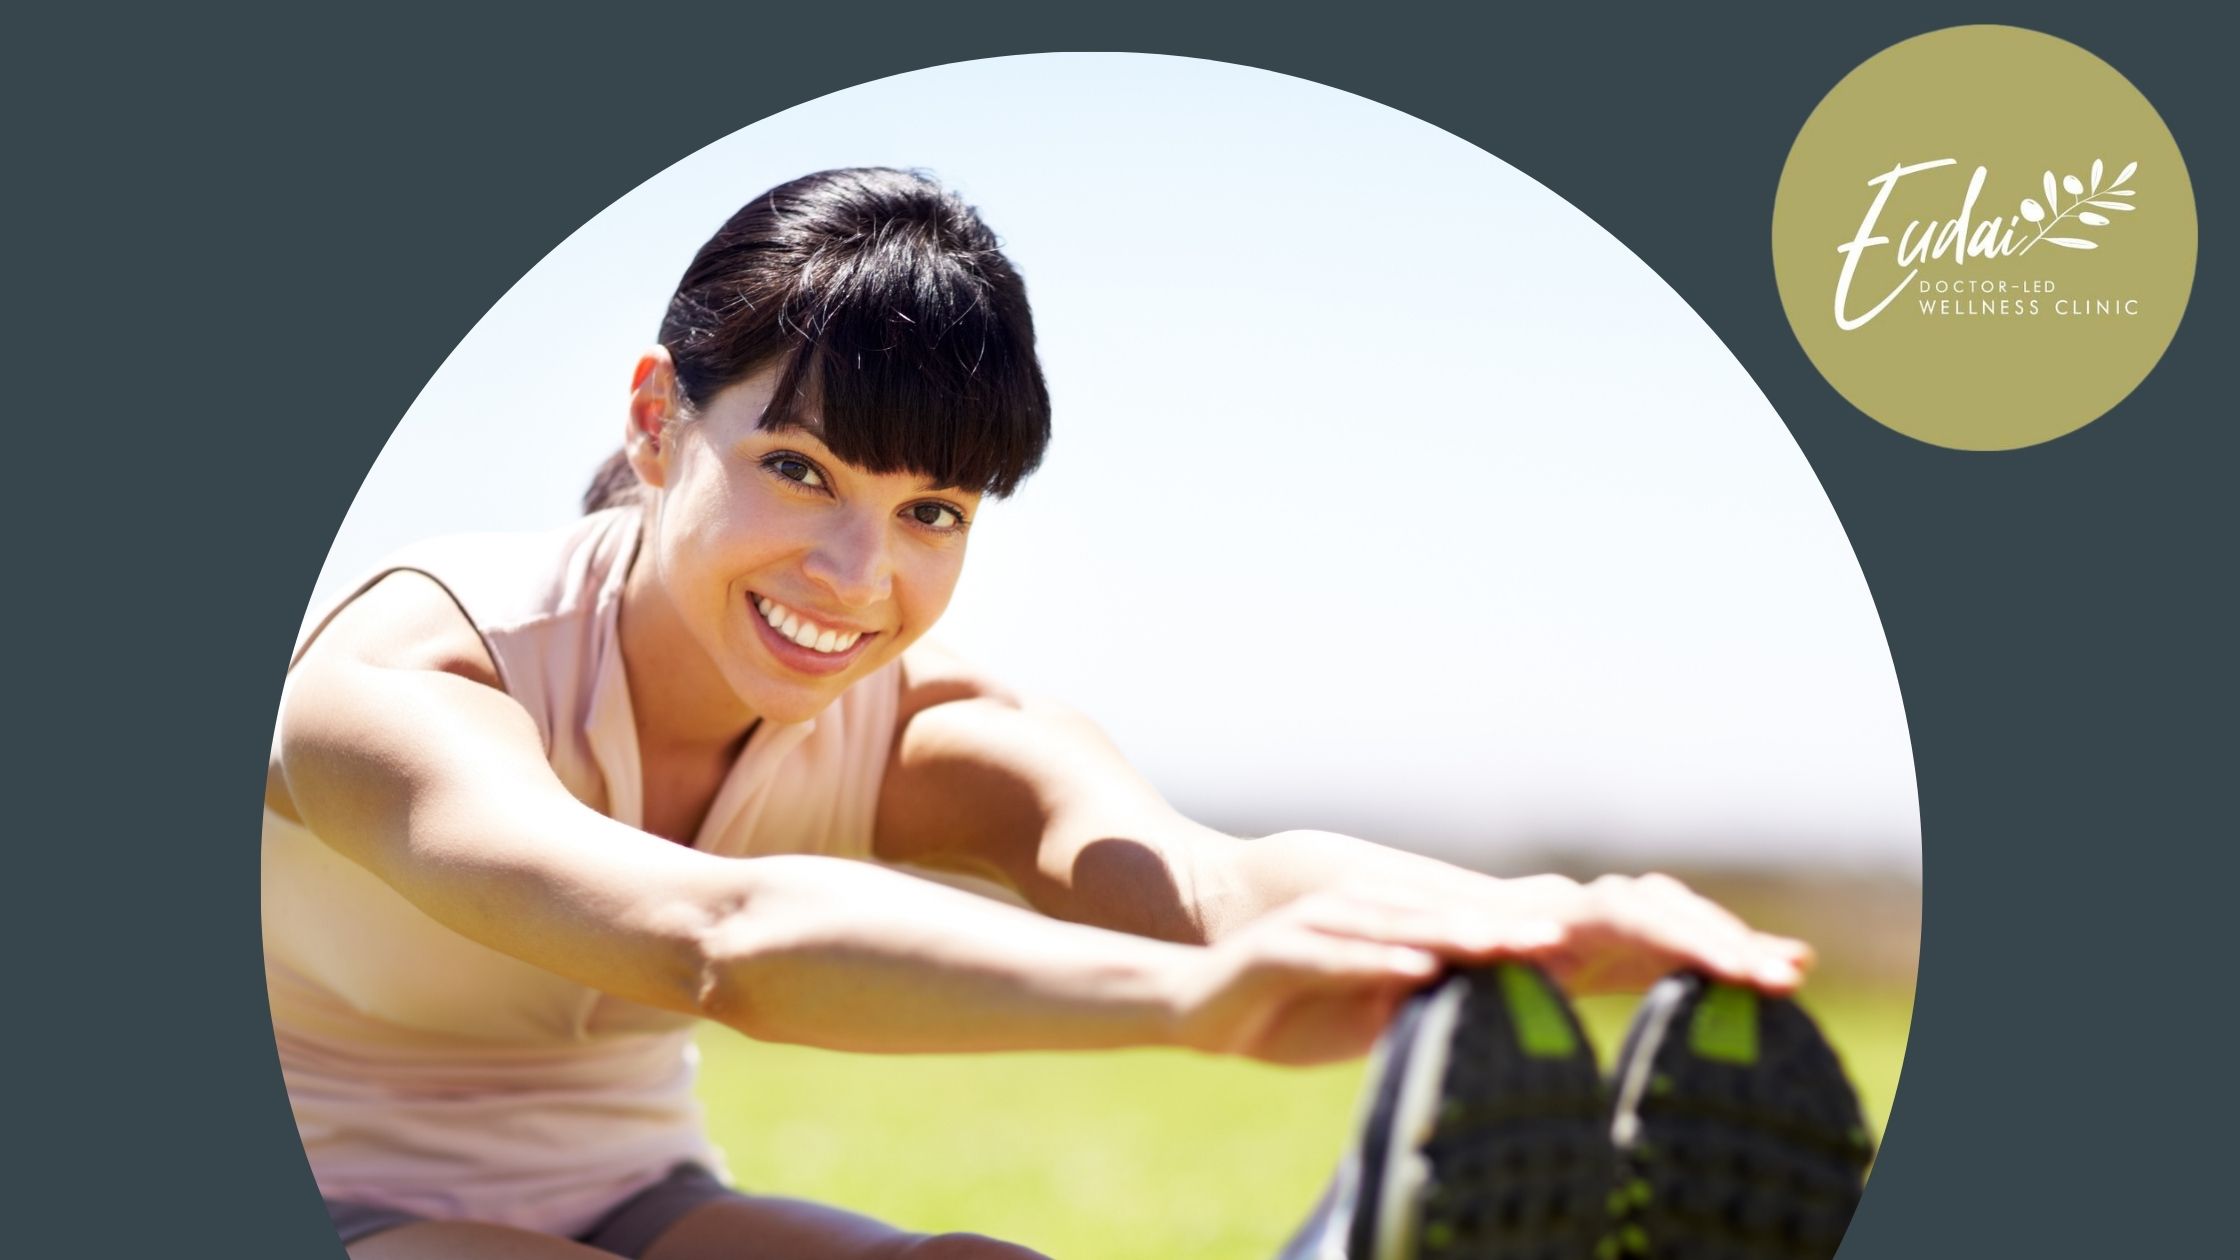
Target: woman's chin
786,709
783,702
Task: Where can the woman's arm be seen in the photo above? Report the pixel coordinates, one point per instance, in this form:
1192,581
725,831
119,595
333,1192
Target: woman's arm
399,750
1617,932
1028,791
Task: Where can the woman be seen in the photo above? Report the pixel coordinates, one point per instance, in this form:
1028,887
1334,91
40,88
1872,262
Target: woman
538,803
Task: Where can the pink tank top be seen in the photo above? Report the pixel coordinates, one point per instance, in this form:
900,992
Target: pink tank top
430,1073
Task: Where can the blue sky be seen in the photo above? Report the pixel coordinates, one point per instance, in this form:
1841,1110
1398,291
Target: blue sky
1389,493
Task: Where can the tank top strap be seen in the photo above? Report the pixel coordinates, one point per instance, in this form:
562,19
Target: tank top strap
543,604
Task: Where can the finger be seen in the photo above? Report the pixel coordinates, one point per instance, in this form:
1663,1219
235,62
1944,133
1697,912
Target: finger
1760,966
1769,951
1774,963
1795,950
1709,936
1677,899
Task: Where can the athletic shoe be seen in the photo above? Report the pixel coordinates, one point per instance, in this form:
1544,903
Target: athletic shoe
1735,1131
1483,1132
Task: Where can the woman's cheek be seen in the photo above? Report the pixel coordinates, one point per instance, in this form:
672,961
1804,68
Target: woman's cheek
932,588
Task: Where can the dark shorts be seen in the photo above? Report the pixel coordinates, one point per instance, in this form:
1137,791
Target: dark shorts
626,1231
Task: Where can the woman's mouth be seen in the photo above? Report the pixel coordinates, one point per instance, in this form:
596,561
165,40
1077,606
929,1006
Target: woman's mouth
801,642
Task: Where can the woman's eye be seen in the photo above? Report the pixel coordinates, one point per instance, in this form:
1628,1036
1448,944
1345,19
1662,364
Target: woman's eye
795,468
936,516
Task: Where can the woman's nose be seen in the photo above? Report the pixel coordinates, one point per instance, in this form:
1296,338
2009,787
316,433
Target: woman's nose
851,562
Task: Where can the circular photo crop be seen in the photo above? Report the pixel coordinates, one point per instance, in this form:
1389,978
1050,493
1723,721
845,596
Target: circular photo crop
1094,656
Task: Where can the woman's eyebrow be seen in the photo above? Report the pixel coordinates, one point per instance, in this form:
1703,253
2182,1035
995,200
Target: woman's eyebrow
808,427
796,423
796,426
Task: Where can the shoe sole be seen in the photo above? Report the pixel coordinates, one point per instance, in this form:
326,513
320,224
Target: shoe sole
1485,1137
1736,1132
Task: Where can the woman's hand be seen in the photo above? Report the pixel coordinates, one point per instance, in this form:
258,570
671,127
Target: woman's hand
1317,980
1624,932
1619,932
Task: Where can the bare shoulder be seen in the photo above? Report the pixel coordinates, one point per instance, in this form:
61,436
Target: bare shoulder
1029,792
404,620
952,710
933,675
981,769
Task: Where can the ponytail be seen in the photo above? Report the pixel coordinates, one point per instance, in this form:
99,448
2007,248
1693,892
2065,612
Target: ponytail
614,485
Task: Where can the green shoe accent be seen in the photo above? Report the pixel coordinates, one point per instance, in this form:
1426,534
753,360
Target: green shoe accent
1542,1031
1726,1025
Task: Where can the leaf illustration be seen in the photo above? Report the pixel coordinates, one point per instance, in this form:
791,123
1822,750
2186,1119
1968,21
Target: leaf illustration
2049,217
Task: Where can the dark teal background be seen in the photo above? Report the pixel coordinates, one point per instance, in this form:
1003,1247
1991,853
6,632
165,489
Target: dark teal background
239,245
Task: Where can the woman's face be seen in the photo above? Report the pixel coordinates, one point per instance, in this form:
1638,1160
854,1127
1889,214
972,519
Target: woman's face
794,572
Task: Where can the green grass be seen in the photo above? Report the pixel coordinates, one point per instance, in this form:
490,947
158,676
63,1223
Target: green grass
1089,1156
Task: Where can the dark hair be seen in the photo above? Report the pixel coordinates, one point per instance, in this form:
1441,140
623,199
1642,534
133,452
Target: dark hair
895,315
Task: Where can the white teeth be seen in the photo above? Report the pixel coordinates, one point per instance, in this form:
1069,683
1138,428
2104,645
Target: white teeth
801,630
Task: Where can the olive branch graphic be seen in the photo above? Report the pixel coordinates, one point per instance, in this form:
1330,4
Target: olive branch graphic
2080,196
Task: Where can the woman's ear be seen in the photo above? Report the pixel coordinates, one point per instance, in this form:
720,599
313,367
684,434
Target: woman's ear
653,412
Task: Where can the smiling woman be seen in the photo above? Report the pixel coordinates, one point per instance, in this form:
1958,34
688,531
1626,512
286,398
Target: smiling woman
846,367
540,802
768,548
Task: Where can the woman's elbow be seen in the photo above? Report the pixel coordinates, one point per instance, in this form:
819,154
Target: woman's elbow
715,980
752,941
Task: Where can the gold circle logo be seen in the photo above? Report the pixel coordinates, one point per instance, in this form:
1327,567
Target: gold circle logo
1984,237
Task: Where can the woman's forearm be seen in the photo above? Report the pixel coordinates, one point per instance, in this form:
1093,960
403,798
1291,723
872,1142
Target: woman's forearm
851,956
1256,876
